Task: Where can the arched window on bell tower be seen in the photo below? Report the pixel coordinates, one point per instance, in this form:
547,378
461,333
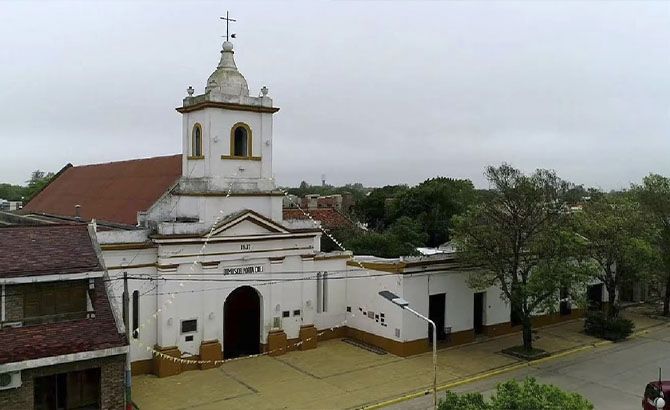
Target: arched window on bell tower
196,141
240,141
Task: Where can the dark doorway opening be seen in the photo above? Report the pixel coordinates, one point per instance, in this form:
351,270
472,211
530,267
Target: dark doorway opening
565,306
436,308
74,390
594,297
241,323
478,323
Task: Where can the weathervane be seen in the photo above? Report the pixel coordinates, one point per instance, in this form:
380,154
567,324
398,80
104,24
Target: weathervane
228,20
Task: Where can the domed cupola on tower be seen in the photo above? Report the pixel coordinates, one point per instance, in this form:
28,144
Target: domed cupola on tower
226,80
227,147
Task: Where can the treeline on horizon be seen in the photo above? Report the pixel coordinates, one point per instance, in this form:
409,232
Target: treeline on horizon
533,223
400,218
38,179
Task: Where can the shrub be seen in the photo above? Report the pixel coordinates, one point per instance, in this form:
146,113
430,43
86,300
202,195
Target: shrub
599,325
468,401
512,395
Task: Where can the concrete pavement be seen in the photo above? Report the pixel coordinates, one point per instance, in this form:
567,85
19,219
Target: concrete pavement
339,375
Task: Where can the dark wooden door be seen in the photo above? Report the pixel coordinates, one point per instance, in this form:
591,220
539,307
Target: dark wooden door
478,309
436,307
241,323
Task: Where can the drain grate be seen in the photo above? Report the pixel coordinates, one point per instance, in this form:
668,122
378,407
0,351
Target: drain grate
365,346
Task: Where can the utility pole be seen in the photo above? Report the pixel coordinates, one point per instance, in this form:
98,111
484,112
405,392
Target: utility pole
126,324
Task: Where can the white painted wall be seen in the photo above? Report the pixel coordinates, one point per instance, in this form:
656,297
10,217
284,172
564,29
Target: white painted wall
216,126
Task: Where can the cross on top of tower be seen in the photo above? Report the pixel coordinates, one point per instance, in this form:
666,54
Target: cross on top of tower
228,20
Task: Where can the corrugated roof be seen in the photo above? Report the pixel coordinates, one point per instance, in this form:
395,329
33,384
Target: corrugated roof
46,250
112,192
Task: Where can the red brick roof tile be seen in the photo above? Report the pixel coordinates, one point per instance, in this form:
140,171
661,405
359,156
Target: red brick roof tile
330,218
55,339
45,250
112,192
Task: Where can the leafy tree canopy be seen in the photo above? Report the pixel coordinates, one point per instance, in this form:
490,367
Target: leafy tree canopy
654,197
38,180
400,239
434,203
512,395
615,237
373,208
520,239
11,192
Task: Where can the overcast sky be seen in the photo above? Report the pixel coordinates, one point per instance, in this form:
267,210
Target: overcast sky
372,92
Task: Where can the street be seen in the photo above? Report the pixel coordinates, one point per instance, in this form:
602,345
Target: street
612,377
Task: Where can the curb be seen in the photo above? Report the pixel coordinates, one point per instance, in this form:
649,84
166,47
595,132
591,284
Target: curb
504,369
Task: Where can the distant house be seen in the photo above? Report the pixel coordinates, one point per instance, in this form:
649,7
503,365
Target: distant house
330,218
10,205
61,345
341,202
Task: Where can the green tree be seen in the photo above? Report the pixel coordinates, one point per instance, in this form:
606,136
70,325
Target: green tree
12,192
654,196
38,180
434,203
373,208
512,395
400,239
616,238
519,238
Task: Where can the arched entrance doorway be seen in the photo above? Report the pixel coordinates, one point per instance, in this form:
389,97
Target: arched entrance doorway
241,323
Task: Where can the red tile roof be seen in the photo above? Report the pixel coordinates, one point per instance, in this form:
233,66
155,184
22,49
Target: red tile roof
54,339
45,250
330,218
112,192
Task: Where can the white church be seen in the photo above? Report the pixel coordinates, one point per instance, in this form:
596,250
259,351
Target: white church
215,272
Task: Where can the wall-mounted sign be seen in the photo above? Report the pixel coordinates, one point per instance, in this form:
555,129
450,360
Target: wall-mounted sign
245,247
243,270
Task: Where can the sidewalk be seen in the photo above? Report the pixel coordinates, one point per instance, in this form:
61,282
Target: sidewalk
339,375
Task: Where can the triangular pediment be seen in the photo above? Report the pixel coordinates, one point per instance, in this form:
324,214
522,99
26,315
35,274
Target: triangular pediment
247,223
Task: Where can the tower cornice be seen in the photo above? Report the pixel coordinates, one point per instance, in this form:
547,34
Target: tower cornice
227,106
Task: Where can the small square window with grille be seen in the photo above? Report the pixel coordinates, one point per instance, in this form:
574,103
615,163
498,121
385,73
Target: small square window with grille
286,313
189,326
296,312
189,338
349,309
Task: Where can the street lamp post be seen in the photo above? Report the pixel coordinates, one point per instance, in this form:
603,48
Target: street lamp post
397,300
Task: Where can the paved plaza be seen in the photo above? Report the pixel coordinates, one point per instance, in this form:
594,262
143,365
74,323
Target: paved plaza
337,375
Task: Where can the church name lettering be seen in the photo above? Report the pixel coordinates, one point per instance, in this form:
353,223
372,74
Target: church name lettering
245,247
243,270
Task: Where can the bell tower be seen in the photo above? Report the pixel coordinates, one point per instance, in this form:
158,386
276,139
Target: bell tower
226,149
227,134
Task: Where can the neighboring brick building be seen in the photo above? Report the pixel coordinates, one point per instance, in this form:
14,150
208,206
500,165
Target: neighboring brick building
61,343
330,218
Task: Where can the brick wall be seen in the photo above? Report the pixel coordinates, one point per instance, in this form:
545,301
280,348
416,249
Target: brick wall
14,302
111,383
